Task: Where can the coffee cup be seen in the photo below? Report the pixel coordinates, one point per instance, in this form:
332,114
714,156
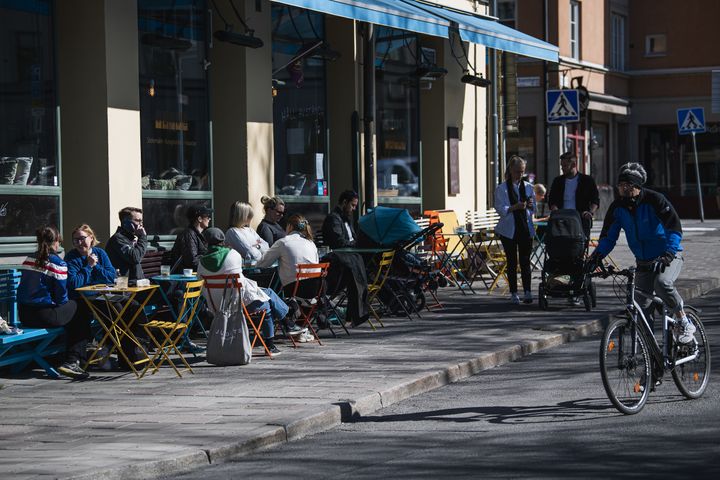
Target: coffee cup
187,272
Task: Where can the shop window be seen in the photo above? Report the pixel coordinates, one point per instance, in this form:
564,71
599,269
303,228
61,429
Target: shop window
29,170
174,115
299,104
506,12
397,113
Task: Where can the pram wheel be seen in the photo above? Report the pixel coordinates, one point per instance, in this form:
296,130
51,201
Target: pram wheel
542,298
587,301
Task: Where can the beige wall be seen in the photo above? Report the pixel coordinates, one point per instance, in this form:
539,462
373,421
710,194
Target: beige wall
99,111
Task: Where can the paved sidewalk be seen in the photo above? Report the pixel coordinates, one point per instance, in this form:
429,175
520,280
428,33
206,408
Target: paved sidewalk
117,427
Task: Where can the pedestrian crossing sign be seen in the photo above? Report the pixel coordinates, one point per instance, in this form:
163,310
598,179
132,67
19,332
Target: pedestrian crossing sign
691,120
562,106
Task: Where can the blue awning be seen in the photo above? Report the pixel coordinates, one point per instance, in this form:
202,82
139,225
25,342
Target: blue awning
492,34
430,19
389,13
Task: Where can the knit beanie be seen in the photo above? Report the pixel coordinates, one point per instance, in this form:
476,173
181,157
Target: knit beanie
633,173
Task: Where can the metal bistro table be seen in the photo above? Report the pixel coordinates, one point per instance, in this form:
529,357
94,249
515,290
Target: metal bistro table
168,282
265,277
450,259
114,324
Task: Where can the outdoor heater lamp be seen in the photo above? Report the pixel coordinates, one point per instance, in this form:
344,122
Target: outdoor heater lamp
476,80
238,39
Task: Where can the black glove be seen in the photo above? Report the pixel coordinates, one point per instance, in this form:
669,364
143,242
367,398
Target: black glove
593,262
661,262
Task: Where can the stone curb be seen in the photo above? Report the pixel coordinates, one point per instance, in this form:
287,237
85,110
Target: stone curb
349,409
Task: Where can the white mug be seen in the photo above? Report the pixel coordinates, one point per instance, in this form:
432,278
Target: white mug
187,272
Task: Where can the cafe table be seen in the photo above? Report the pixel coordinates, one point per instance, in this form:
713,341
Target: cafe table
177,281
117,324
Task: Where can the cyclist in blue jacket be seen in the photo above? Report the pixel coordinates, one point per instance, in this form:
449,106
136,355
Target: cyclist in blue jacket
653,231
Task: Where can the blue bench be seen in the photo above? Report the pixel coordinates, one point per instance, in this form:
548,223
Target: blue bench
34,344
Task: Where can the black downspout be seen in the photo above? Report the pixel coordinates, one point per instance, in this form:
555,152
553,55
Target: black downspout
545,84
369,113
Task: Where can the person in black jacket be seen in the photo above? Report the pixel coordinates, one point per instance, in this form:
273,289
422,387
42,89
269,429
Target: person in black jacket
347,270
575,190
190,245
127,247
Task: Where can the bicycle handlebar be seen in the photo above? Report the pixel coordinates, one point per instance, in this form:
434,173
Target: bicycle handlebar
605,272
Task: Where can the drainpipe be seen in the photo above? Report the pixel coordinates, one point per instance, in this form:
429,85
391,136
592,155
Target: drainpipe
545,84
369,113
494,127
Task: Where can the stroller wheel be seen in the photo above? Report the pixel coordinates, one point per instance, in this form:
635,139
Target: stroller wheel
542,298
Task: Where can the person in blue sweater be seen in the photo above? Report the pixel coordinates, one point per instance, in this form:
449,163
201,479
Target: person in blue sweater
43,300
88,264
653,231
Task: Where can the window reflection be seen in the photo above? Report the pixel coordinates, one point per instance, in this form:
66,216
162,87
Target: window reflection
173,95
28,137
397,109
299,119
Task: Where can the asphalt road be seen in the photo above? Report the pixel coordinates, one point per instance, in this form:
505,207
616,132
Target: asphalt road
545,416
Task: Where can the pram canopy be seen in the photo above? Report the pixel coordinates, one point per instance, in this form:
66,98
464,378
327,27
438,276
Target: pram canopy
388,226
565,239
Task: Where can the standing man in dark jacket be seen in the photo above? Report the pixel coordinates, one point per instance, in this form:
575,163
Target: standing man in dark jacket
347,270
190,244
127,247
575,190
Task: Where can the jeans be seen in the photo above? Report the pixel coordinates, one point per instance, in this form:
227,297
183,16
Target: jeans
276,310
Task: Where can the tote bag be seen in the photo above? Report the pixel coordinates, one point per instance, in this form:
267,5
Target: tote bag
228,338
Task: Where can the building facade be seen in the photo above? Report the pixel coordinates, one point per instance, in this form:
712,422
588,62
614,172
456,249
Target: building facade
158,104
640,61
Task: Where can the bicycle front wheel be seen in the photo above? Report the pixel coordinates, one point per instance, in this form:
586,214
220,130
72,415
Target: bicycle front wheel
625,366
692,378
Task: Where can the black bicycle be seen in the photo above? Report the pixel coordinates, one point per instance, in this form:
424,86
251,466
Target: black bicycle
633,362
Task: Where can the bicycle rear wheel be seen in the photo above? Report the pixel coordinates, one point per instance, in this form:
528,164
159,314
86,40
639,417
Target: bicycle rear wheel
692,378
625,366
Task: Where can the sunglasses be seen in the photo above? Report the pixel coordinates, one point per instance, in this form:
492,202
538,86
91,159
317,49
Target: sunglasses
79,240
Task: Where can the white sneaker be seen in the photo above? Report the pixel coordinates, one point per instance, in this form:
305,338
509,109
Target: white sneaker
514,299
528,297
687,330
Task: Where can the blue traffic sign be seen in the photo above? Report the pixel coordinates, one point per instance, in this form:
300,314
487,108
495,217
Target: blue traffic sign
562,106
691,120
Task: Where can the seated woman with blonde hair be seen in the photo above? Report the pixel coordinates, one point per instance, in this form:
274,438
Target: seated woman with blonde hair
241,237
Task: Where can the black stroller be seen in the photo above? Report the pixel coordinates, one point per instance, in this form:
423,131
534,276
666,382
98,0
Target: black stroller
563,274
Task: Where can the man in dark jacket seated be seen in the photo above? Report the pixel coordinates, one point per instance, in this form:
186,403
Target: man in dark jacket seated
127,247
347,270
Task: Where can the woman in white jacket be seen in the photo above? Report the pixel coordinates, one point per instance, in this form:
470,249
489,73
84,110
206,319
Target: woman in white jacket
515,203
241,237
297,247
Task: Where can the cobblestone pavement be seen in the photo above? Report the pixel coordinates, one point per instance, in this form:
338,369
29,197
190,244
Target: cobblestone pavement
114,426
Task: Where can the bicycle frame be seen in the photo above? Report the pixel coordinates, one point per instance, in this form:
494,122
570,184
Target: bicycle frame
660,355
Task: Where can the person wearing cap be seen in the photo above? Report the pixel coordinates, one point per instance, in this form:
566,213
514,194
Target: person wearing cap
190,244
654,233
576,191
222,260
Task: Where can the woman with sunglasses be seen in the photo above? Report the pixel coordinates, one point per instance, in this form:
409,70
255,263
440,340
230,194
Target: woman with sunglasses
269,228
88,265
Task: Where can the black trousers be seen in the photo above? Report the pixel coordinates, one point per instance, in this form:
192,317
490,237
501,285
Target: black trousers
515,247
73,319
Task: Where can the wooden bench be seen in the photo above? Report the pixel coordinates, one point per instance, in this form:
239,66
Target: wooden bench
151,262
33,344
